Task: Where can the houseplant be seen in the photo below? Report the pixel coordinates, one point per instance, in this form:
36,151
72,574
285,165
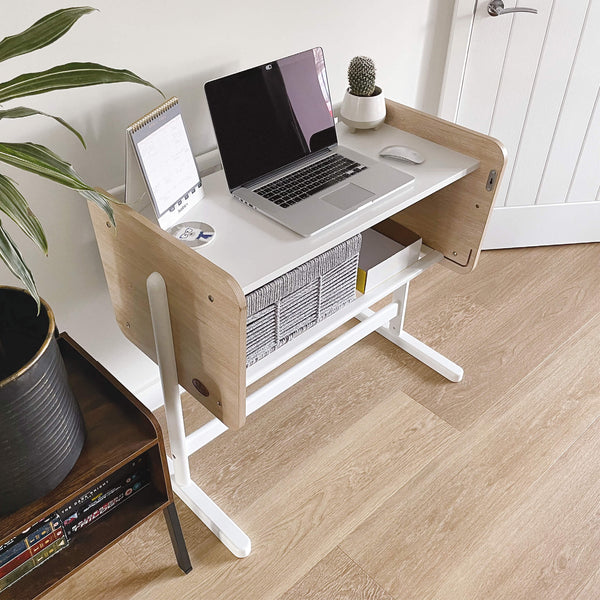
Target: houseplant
363,106
41,430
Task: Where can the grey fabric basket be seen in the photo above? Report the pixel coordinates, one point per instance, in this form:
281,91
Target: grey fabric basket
290,304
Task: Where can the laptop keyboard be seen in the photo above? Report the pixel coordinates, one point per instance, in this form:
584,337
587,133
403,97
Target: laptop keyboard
310,180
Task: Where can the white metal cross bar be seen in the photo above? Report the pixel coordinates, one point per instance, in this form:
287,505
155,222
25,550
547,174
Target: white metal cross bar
205,434
213,517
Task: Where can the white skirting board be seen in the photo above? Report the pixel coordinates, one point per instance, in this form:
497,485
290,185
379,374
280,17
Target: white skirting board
151,395
543,225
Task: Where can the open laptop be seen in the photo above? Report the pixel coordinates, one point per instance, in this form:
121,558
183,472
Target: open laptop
276,135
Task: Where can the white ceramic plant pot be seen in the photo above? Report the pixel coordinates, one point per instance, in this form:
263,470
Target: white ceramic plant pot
363,112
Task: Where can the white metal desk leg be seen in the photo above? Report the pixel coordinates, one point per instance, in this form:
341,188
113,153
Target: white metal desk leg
396,334
165,352
416,348
202,506
438,362
400,297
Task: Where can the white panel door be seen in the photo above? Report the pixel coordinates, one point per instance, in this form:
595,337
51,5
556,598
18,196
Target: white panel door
532,81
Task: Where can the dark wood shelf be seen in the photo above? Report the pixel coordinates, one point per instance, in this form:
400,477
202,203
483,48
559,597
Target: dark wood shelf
86,545
118,429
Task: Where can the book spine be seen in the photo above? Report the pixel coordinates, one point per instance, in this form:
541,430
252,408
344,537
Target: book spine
96,491
28,538
127,486
32,562
49,539
13,550
49,551
31,551
105,508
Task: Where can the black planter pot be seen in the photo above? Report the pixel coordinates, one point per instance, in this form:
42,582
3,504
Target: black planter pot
41,427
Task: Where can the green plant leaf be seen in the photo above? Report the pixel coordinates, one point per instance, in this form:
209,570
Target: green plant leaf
101,200
67,76
22,111
43,32
42,161
14,205
11,256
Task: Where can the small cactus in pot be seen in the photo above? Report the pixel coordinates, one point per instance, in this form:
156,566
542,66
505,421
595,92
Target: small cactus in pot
361,76
363,106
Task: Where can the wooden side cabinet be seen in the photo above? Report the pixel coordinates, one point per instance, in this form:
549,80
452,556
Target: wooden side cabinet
119,429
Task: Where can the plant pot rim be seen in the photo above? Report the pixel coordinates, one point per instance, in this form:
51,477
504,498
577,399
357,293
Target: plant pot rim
43,347
376,93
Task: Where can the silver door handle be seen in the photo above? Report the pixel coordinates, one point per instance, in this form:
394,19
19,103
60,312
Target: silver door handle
496,8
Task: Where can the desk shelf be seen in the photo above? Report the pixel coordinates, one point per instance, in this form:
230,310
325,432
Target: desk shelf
264,366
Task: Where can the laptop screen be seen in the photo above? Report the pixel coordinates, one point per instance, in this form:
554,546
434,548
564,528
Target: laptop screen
269,116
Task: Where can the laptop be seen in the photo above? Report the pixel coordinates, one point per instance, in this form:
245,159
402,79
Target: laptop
276,135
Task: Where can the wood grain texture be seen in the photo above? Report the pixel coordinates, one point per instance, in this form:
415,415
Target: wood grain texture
541,549
498,324
336,577
309,507
207,306
344,461
452,220
110,575
301,422
589,590
427,538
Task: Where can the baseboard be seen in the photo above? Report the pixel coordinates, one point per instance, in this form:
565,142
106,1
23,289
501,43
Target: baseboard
543,225
150,394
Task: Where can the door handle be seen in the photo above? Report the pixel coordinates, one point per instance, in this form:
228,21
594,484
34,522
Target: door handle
496,8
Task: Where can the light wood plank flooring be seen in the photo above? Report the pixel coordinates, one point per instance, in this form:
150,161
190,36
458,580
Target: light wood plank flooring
375,478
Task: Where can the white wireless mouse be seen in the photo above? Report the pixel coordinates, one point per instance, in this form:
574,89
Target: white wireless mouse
402,153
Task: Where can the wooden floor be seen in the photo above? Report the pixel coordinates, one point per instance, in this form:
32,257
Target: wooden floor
377,479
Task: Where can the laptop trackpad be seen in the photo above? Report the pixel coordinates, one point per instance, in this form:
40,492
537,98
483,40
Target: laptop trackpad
348,197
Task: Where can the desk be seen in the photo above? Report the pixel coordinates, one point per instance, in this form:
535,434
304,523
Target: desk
187,309
269,250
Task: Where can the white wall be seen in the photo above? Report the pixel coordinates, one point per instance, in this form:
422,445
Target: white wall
178,46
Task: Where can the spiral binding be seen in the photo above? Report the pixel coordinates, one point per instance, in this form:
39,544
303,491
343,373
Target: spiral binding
163,108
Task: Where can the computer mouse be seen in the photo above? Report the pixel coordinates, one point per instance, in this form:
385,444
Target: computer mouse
402,153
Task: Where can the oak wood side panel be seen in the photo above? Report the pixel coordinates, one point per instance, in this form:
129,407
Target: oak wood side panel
207,306
453,219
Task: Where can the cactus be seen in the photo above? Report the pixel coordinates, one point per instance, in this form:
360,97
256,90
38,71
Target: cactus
361,76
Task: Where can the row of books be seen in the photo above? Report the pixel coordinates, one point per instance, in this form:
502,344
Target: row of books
30,549
46,538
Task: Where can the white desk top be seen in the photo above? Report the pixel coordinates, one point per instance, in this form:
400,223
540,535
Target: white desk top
254,249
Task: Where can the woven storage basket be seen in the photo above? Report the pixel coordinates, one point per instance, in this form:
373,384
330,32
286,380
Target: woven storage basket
290,304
